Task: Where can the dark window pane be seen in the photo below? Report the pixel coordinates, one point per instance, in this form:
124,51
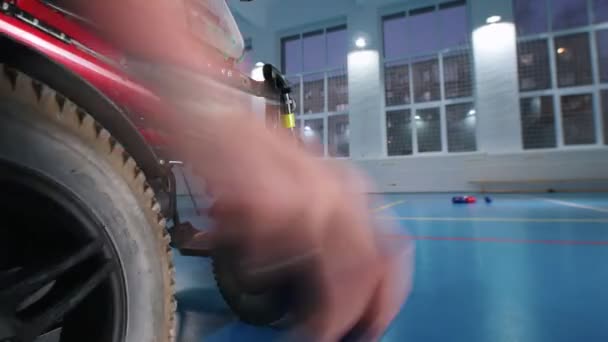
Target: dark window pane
294,83
533,63
422,33
530,16
337,48
428,130
605,114
461,120
426,81
538,122
454,26
577,119
314,94
292,55
313,135
337,91
395,44
457,75
602,51
338,136
313,45
600,10
399,132
569,13
573,60
397,84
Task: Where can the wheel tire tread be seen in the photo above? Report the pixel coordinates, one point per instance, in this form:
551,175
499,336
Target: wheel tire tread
78,121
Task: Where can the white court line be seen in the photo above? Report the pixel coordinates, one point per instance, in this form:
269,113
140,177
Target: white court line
492,219
574,205
387,206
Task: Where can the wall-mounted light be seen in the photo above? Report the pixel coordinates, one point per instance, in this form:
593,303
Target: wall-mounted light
417,117
257,73
308,132
360,42
472,112
561,50
493,19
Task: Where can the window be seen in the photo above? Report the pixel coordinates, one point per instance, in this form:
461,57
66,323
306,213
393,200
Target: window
530,16
461,121
314,93
602,51
533,62
445,27
337,91
605,114
538,122
569,13
313,135
314,55
426,80
394,27
600,11
314,51
397,84
315,65
577,119
294,83
428,73
338,138
399,132
560,66
422,41
428,130
292,55
457,75
337,47
573,60
453,24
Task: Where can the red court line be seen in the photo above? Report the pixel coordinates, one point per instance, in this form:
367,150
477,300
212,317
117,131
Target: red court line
505,240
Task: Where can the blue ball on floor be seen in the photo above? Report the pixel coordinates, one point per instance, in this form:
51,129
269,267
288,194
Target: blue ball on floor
488,200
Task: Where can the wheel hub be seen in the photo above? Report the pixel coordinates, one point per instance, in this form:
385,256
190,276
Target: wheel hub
58,268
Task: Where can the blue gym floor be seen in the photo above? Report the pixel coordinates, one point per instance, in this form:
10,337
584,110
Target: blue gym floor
523,268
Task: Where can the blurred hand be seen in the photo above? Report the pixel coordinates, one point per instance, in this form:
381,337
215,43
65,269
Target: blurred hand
288,212
292,214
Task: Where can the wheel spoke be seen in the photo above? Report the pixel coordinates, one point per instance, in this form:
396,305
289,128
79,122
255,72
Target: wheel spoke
51,336
35,327
29,280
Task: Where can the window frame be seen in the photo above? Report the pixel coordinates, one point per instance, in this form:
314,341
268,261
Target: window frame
440,54
327,72
556,92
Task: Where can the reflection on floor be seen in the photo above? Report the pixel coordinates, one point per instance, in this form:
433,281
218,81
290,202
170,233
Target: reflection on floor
523,268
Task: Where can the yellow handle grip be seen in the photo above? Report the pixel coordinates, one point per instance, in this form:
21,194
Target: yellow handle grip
288,120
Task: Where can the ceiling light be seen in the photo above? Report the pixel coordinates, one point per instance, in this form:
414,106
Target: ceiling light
493,19
361,42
